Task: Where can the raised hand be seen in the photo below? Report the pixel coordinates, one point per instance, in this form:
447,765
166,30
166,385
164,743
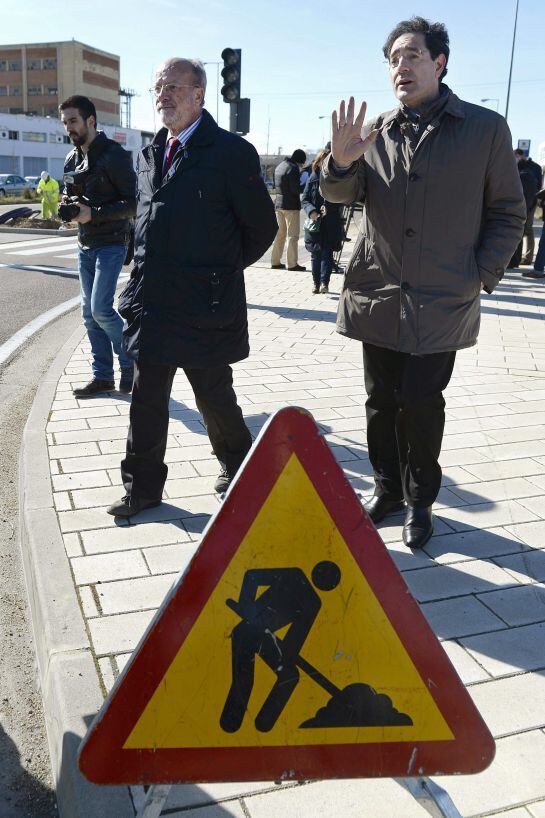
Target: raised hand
346,143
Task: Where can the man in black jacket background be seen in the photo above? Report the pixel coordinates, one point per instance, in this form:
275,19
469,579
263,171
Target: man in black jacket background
100,173
287,181
204,214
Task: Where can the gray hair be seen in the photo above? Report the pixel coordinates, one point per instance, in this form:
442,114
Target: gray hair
199,72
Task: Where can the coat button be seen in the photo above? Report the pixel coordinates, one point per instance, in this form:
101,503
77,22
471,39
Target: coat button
410,232
405,285
413,177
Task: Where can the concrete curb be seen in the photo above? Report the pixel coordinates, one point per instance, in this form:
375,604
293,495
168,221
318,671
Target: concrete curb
39,232
67,676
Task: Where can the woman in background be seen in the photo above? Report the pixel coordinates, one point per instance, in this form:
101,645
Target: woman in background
326,233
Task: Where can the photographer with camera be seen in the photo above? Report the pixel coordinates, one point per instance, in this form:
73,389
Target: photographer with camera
100,195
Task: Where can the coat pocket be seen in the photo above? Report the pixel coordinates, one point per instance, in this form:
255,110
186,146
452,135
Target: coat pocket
209,297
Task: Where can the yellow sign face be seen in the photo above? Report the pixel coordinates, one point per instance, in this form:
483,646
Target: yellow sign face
251,673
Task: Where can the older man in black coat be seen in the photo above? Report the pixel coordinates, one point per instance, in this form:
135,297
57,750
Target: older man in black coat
203,215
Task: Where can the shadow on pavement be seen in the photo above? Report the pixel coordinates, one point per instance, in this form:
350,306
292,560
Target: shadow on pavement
21,794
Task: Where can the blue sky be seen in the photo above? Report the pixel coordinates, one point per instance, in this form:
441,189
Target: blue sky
299,59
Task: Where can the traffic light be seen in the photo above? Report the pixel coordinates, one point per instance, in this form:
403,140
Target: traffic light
231,74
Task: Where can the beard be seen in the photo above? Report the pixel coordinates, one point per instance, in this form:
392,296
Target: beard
79,139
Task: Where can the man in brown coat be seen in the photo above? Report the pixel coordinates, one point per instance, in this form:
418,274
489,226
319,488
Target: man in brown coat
443,214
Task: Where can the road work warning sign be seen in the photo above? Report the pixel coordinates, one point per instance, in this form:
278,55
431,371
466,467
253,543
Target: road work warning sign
290,648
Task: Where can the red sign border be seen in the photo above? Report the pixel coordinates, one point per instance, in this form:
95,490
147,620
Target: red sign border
102,758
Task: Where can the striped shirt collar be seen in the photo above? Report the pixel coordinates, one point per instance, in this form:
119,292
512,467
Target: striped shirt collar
184,135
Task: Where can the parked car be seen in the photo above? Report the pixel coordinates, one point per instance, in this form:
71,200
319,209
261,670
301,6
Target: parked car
32,182
12,185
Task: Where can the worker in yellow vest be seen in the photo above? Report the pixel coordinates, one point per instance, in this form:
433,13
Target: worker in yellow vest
49,190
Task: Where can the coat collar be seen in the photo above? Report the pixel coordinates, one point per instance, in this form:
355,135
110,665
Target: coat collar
453,106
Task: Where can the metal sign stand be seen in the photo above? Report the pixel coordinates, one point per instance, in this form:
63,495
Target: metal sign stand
435,800
154,802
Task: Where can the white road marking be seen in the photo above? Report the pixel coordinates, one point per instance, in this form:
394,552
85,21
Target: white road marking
13,343
51,241
36,251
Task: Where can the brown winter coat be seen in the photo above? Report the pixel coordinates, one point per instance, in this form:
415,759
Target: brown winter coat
437,227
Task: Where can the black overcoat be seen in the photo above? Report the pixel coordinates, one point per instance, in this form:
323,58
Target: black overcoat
185,303
330,235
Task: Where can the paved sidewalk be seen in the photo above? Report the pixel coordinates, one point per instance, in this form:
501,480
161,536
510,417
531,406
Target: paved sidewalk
480,580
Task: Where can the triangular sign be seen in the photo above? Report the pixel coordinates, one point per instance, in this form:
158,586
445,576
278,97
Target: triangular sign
290,648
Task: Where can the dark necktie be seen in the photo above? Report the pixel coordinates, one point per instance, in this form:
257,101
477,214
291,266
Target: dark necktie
172,147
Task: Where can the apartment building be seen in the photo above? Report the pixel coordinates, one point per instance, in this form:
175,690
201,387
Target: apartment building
36,77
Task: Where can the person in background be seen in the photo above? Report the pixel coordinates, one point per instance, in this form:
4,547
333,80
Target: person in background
48,189
533,168
530,188
443,214
288,208
539,262
326,233
101,175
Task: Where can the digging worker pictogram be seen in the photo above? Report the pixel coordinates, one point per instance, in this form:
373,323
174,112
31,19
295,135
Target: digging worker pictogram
289,598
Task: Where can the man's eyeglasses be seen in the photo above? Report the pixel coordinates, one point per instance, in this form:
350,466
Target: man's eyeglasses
412,55
169,88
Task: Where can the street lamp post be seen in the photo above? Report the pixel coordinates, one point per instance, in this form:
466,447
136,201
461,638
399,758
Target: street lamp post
511,64
217,64
492,99
326,116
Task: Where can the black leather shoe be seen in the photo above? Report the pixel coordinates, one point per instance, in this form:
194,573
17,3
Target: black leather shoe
126,380
94,387
129,506
381,505
418,527
278,266
298,269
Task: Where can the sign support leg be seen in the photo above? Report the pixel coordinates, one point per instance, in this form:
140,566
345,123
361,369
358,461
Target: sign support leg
435,800
154,802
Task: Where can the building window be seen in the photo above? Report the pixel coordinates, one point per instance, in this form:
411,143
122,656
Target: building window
13,134
3,65
15,90
15,65
50,63
3,90
34,136
66,140
51,90
34,90
34,65
16,111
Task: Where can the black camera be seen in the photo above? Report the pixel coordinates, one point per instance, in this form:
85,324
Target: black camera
69,210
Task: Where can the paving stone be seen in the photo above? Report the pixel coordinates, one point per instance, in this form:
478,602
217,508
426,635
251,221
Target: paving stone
487,515
134,536
91,498
61,500
504,469
444,581
133,594
535,504
467,668
530,565
514,777
462,545
533,534
379,798
510,651
520,812
537,810
107,567
502,489
95,463
460,617
122,632
517,606
169,558
80,480
107,673
227,809
511,705
191,487
88,603
72,545
86,435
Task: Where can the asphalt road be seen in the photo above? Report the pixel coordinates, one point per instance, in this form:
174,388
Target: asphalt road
36,277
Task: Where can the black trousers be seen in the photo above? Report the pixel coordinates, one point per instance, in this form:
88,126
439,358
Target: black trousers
405,412
143,470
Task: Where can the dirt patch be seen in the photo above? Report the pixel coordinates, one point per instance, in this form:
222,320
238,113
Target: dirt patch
41,224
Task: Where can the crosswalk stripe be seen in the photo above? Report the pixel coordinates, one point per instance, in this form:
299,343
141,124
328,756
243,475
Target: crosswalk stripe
35,251
50,241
